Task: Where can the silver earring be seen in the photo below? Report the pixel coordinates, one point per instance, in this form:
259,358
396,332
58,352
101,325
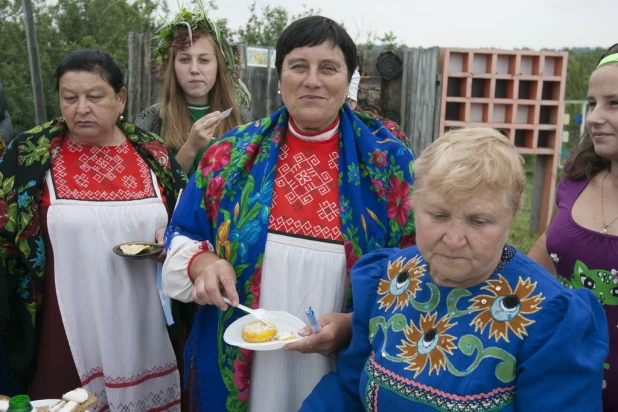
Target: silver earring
279,92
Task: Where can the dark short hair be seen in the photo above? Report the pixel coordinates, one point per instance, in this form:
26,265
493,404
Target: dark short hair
93,61
313,31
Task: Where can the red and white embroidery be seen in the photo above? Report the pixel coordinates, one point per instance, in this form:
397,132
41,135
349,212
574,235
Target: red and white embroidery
328,211
305,201
110,173
123,382
167,399
333,162
304,228
283,152
305,179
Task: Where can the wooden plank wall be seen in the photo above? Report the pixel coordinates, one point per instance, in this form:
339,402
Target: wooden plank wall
420,98
262,83
143,89
412,99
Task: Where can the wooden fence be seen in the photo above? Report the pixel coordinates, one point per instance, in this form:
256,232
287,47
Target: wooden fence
404,86
261,81
412,98
143,89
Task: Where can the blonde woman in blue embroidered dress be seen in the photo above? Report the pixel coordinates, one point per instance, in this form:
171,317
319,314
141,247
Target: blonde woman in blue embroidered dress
463,321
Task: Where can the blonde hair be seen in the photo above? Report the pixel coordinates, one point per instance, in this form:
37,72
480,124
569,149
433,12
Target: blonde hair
174,113
465,162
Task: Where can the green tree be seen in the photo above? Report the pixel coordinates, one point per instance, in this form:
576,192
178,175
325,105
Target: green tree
62,27
580,65
264,30
389,40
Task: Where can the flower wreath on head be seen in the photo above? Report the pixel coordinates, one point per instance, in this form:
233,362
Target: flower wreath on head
180,32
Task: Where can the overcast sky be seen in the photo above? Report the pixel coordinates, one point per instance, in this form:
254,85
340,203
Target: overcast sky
503,24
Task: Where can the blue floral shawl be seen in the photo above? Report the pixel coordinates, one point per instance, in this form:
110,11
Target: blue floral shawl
228,203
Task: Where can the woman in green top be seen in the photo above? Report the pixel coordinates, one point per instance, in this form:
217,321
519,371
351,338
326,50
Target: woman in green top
199,70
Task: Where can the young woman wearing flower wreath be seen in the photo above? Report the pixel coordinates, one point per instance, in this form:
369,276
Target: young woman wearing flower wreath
198,67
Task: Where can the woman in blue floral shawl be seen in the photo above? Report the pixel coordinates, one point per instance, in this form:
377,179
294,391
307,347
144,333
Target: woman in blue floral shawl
276,216
76,314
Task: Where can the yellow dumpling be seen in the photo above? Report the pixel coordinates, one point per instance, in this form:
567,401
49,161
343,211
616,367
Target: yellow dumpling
134,249
257,331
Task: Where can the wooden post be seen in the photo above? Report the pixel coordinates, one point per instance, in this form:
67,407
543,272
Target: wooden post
141,87
543,188
269,75
436,113
419,97
35,67
133,85
536,201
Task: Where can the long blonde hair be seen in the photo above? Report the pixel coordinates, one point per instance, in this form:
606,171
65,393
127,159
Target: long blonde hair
174,113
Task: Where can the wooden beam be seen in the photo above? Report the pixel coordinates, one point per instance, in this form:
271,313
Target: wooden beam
36,79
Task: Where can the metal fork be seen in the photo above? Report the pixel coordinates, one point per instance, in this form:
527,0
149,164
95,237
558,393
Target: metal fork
260,314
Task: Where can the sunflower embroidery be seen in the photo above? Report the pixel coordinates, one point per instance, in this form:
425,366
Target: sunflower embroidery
427,342
504,309
403,281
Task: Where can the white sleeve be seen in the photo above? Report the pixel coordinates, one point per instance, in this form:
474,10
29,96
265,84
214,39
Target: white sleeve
177,282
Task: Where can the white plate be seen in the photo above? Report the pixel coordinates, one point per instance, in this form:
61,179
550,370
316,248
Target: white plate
284,322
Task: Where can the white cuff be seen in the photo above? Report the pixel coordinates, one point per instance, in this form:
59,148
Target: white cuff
177,282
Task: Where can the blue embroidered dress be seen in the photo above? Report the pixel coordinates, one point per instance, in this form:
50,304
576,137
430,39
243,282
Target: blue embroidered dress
518,341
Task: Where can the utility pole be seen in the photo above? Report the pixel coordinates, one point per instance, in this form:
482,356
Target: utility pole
35,66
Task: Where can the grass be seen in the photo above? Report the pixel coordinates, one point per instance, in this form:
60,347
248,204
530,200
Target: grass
520,235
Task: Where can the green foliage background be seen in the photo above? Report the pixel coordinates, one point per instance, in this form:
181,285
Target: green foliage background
61,27
582,62
64,25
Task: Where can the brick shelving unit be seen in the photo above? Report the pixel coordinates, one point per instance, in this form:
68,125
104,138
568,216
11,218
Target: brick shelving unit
521,93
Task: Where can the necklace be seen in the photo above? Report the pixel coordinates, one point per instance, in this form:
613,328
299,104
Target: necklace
605,226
